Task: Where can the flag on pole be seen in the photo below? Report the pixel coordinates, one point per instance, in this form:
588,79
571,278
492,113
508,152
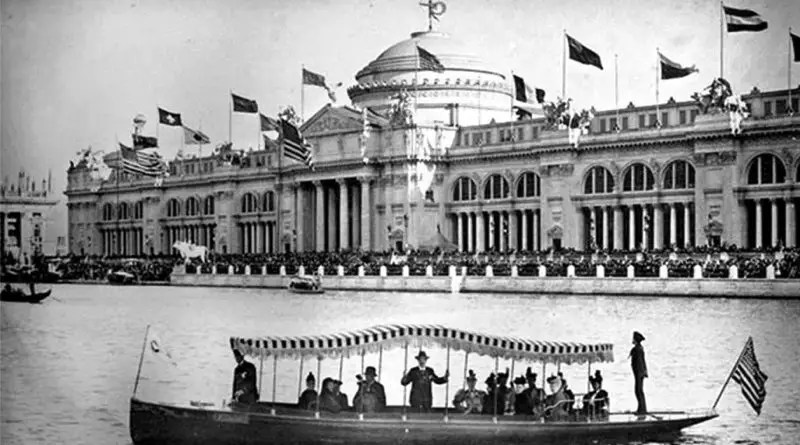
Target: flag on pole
672,70
524,93
748,375
140,141
194,136
169,118
582,54
144,162
295,146
269,124
428,61
795,46
738,20
318,80
243,104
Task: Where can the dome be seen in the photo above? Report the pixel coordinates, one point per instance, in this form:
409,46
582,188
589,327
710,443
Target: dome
402,56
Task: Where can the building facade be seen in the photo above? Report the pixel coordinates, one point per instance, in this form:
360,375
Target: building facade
24,216
422,152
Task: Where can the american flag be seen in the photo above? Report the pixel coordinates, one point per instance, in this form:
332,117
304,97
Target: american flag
295,146
748,375
428,62
143,162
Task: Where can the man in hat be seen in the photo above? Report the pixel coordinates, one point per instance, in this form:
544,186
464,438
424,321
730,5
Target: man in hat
469,400
534,395
421,378
308,399
522,400
245,389
370,397
639,367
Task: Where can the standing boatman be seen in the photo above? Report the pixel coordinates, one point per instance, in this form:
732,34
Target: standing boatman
244,380
639,367
421,378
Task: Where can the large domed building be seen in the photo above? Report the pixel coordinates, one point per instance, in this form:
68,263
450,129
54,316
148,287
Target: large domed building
466,92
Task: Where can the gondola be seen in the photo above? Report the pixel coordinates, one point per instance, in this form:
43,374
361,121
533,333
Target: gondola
16,295
305,285
121,277
277,423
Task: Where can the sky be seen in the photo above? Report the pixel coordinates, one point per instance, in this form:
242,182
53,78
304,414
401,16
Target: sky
74,73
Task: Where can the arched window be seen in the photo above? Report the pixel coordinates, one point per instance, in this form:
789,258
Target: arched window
269,202
173,207
138,210
679,175
529,185
122,211
108,212
637,178
598,180
496,188
192,206
208,205
249,203
465,190
766,169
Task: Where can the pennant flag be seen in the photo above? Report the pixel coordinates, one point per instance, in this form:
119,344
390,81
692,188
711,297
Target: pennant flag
795,46
748,375
194,136
269,124
582,54
155,347
244,105
428,61
294,144
144,162
672,70
169,118
743,20
140,141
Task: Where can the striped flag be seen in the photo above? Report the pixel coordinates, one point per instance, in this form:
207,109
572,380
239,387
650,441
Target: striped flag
428,61
738,20
748,375
143,162
294,145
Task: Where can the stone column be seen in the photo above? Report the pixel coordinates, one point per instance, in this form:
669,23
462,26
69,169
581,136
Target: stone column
597,218
480,245
658,226
492,227
344,229
618,228
524,214
790,224
366,215
631,228
355,211
470,233
645,228
332,221
460,231
512,229
298,212
319,217
687,225
606,233
257,227
774,222
673,224
504,225
758,223
536,222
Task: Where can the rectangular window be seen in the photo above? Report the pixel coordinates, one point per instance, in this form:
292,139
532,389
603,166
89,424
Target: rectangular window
602,125
534,132
780,106
642,118
625,123
682,117
665,119
488,137
612,124
521,134
794,105
694,115
477,138
652,119
767,108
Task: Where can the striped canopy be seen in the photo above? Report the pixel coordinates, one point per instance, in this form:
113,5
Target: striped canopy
416,336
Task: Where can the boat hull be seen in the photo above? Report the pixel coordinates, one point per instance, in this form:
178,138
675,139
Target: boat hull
152,423
18,296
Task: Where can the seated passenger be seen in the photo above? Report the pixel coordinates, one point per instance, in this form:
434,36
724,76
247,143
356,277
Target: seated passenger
308,399
557,403
505,393
329,397
522,400
596,403
567,392
469,400
337,389
370,397
533,394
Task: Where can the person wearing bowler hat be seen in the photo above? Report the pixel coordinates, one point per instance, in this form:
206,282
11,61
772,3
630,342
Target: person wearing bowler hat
639,367
245,389
370,398
421,378
308,399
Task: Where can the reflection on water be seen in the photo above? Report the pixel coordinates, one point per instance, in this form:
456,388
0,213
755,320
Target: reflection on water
68,365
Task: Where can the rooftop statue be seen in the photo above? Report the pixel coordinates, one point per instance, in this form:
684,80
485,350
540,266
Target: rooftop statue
401,114
713,97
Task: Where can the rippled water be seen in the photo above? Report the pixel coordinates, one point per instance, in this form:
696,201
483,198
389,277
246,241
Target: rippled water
68,365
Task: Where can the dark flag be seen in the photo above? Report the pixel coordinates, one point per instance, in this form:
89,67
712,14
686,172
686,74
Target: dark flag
269,124
672,70
244,105
795,46
748,374
169,118
743,20
582,54
140,141
428,61
540,95
521,93
295,146
312,78
194,136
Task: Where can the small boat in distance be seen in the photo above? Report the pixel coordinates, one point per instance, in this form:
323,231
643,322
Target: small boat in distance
121,277
17,295
306,284
276,423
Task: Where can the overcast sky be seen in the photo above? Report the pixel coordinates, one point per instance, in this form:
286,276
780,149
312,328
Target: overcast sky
74,73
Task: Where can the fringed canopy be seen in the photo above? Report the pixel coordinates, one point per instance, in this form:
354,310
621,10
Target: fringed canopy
397,336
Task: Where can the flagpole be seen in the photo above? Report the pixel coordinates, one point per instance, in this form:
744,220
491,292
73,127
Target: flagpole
230,116
141,359
616,94
511,110
564,67
721,38
658,75
116,210
789,70
302,93
725,385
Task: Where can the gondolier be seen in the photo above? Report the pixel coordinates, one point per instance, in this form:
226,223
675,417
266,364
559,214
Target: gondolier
244,380
421,378
639,367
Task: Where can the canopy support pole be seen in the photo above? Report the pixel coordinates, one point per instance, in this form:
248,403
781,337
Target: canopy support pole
380,363
141,357
319,383
447,388
341,365
274,382
260,373
495,388
511,376
544,376
362,385
589,385
466,369
405,387
300,380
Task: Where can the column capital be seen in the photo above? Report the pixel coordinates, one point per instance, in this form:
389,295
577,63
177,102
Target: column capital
365,179
317,183
341,181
